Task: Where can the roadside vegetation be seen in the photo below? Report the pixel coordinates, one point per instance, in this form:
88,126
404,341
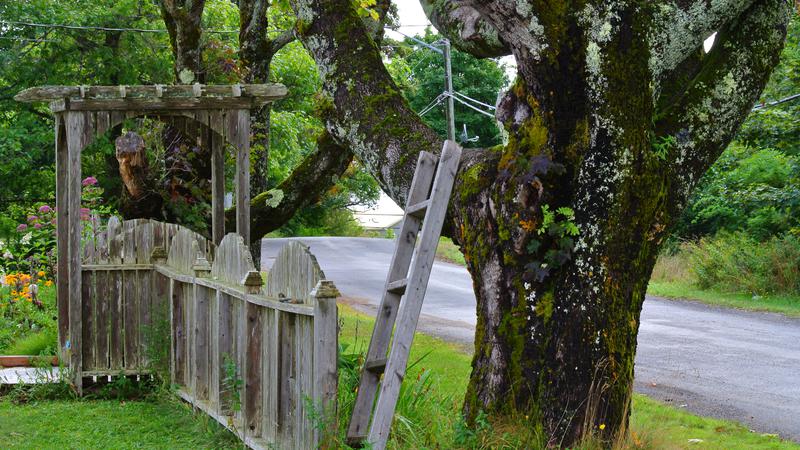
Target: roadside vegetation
429,410
124,414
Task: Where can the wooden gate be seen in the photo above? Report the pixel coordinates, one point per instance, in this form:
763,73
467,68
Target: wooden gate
261,360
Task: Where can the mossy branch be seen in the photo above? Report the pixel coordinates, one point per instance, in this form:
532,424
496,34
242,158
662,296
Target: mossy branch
317,173
730,79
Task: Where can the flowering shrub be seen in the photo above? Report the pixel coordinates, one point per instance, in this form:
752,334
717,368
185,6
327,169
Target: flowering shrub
27,306
33,248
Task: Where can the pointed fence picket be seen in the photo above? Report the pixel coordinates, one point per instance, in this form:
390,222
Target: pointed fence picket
259,359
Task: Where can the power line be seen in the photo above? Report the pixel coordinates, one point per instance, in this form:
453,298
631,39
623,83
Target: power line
470,106
777,102
115,29
466,97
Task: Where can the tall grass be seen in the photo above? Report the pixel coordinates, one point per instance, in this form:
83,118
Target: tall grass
735,262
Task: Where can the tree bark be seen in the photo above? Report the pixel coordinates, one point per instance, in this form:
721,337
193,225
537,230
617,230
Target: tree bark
612,120
183,21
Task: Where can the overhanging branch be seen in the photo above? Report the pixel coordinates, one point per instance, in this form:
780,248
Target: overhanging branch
704,119
317,173
466,27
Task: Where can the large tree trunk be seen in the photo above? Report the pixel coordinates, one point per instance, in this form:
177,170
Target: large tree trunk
615,115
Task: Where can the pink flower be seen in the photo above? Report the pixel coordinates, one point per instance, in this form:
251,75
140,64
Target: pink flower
44,209
22,227
89,181
32,218
37,225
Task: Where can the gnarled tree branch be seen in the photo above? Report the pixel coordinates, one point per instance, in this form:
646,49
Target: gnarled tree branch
704,119
313,177
468,29
362,107
681,26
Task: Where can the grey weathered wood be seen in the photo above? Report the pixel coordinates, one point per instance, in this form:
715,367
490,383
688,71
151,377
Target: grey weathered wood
217,180
239,135
387,311
78,135
415,293
62,236
101,361
232,261
253,403
294,274
263,92
325,356
202,297
89,299
285,352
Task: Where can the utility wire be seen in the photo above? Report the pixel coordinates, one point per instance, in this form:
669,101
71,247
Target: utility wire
98,28
466,97
777,102
436,102
470,106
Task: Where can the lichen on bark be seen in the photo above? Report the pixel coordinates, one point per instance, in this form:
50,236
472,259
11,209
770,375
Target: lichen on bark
597,132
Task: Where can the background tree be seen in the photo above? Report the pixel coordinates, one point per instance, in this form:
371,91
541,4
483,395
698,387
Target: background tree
481,79
615,115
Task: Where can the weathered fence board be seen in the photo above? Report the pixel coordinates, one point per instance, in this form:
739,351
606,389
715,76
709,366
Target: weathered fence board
260,360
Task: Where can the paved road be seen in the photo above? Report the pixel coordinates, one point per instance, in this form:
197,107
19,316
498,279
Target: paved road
716,362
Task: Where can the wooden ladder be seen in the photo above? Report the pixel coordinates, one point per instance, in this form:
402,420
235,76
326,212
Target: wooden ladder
426,208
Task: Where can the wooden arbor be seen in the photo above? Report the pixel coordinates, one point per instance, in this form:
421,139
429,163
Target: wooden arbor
211,114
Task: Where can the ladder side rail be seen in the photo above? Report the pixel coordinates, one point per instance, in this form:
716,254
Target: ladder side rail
410,308
387,311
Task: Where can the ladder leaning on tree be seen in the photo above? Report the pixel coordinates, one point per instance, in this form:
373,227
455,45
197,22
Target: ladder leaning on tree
426,208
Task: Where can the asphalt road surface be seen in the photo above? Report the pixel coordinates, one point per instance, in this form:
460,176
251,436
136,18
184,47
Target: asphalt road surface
716,362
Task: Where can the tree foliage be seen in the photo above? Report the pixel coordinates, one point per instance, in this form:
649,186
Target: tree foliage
420,71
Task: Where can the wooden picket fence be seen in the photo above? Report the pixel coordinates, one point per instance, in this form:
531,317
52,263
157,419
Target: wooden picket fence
259,359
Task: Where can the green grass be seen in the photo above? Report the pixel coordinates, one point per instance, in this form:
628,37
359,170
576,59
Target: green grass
41,343
440,376
784,304
101,424
428,414
449,252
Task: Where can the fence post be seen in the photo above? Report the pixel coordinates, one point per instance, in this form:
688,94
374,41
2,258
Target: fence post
326,355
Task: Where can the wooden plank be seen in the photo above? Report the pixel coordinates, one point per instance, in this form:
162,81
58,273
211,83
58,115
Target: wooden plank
101,361
287,392
201,341
78,135
103,123
214,367
89,313
178,334
239,136
217,181
265,91
233,260
387,311
325,358
143,231
116,340
270,382
408,314
130,297
225,343
306,436
253,370
62,236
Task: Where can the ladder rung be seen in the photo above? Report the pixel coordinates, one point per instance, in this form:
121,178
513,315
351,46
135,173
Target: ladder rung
398,286
418,210
376,366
